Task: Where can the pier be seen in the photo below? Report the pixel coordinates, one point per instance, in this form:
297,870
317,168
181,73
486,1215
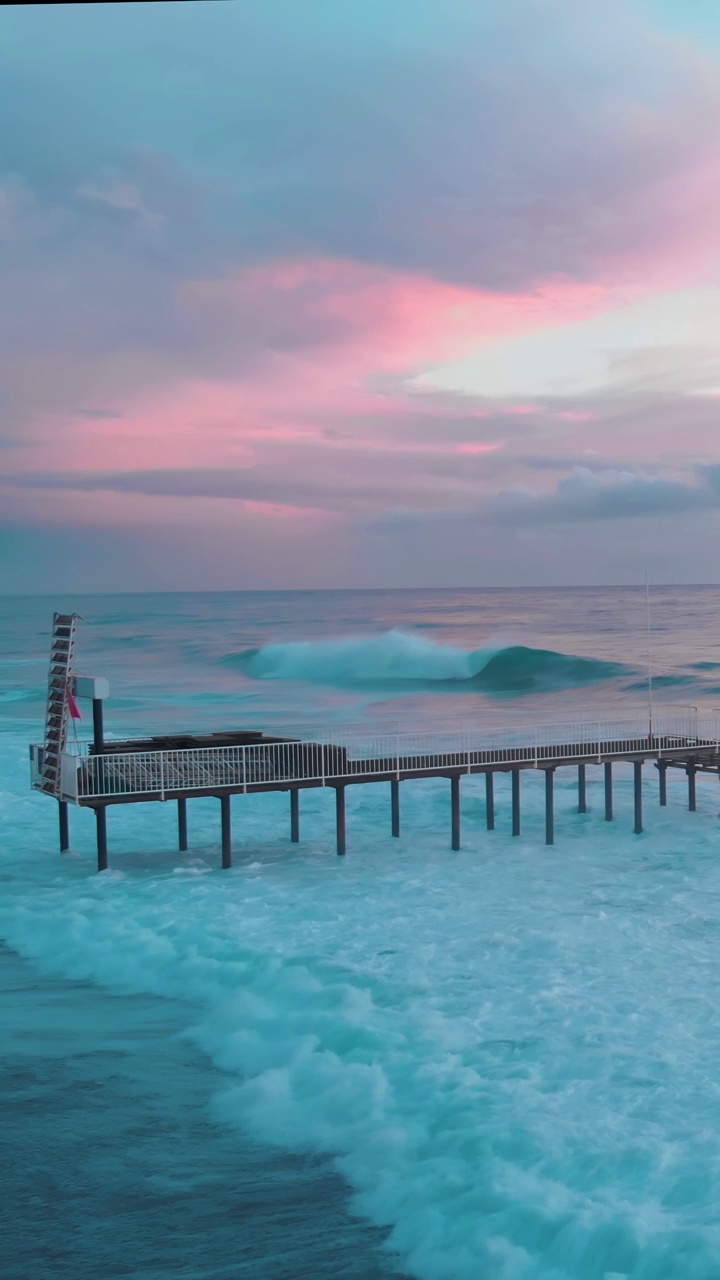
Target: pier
179,767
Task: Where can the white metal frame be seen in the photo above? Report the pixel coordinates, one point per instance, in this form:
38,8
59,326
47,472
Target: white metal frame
362,753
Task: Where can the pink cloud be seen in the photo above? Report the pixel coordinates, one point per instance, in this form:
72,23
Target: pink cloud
476,448
373,325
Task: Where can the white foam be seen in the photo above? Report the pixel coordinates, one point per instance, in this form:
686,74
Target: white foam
511,1052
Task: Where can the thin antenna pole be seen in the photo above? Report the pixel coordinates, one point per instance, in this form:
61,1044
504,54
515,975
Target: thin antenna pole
649,654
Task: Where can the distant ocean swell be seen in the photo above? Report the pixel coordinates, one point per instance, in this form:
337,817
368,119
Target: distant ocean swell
398,660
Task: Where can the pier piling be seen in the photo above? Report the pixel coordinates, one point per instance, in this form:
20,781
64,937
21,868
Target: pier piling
662,771
182,825
101,830
582,801
295,816
637,789
515,776
64,826
226,832
608,792
455,808
549,806
692,790
340,820
395,806
490,801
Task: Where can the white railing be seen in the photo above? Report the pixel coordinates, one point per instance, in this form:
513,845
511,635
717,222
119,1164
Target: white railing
359,752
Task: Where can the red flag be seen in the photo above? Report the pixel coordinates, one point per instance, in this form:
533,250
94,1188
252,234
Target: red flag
73,707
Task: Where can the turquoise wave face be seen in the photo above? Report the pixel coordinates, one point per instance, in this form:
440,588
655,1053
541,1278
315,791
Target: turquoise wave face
397,659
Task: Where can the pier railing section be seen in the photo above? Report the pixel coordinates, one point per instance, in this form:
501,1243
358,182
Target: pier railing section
352,755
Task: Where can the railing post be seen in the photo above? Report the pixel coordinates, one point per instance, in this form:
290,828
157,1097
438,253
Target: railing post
162,775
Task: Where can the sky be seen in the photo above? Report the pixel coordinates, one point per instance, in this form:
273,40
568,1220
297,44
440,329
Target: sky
375,293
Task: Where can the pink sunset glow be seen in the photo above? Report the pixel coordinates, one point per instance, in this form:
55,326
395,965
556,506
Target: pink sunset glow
456,303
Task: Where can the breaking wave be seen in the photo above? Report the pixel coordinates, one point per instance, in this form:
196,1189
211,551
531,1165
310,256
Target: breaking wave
399,660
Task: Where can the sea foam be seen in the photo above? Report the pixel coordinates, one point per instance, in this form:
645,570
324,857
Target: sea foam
510,1053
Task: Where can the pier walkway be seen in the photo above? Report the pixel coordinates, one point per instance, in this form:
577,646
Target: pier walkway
179,768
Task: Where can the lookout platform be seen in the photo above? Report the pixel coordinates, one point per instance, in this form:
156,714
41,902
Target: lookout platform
180,767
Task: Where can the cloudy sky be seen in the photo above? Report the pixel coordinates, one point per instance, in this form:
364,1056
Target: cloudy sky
367,293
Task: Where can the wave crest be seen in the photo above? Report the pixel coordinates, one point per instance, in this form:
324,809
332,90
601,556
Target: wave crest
396,659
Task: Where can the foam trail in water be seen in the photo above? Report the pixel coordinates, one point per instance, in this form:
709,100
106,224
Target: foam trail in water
396,658
510,1053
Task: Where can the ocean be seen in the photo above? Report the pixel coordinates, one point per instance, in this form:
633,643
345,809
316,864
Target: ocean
497,1064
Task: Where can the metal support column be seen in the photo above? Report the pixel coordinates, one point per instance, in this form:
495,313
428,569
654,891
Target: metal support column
637,788
340,819
101,828
490,801
182,825
515,776
692,791
662,772
608,791
455,812
582,800
226,831
549,806
395,805
295,815
64,826
98,738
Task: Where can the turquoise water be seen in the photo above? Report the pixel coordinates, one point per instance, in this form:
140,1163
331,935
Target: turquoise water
493,1065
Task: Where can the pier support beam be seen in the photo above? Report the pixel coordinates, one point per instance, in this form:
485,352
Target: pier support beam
455,808
226,832
608,792
515,776
182,825
395,806
64,820
340,820
549,806
101,829
98,729
295,816
582,801
662,778
692,791
490,801
637,790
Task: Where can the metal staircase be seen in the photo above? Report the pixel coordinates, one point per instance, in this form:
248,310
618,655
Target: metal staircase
61,659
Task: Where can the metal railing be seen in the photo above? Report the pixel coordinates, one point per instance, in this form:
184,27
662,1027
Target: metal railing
361,753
